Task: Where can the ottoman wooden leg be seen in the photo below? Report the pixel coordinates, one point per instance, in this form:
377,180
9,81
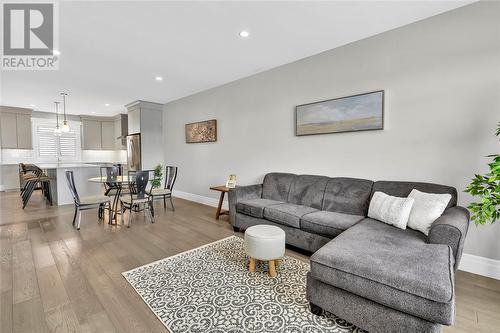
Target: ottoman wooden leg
251,266
272,268
277,263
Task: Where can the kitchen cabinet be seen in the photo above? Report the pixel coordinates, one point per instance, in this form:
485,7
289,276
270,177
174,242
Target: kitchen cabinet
15,128
108,135
121,131
118,133
134,121
9,130
91,134
146,118
101,133
23,122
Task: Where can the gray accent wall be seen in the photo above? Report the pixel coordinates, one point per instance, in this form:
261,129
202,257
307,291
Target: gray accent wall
441,78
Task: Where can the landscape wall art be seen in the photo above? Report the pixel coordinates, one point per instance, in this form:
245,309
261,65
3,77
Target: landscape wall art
361,112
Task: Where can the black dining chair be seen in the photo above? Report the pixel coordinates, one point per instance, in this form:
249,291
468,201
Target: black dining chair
111,186
139,198
166,191
110,173
85,203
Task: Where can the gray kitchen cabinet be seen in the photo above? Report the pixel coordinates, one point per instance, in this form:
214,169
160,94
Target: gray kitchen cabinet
101,133
15,128
9,130
108,135
121,131
91,134
118,133
23,127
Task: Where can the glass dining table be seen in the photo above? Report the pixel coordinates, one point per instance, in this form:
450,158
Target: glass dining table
115,183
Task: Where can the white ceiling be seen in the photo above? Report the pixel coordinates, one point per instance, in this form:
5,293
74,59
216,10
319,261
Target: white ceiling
112,51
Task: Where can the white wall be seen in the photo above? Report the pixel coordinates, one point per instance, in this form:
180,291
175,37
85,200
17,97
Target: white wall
151,137
442,82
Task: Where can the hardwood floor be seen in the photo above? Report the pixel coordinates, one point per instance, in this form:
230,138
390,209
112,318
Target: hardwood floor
54,278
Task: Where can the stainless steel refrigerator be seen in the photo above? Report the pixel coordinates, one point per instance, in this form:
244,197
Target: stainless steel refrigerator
134,152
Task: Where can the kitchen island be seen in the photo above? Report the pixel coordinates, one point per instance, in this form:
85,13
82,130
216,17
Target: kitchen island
59,188
81,173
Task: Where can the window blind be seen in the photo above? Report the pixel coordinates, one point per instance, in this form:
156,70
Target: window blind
67,144
47,142
51,146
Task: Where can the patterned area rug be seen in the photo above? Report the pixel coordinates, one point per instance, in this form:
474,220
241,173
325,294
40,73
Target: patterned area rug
209,289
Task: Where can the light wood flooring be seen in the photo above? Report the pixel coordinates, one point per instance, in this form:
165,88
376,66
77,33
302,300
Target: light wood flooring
56,279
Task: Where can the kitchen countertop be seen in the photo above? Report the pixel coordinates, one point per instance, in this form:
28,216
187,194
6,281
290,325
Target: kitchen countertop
66,164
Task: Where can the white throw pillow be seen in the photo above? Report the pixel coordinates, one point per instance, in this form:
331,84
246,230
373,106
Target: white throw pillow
426,209
391,210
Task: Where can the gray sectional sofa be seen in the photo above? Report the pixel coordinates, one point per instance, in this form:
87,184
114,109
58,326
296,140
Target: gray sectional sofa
378,277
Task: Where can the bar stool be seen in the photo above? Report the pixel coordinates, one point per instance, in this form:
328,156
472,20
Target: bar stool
38,181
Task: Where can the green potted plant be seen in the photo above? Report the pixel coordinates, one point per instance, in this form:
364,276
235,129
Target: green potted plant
158,176
487,188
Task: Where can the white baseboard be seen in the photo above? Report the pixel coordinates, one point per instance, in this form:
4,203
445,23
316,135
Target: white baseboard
469,263
200,199
480,265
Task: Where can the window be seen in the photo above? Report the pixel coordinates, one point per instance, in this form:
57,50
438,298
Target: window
53,148
47,142
67,144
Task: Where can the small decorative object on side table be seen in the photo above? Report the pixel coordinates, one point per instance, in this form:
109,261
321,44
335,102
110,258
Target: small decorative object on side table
223,190
231,182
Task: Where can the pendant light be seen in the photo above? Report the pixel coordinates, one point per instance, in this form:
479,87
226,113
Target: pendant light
65,126
57,130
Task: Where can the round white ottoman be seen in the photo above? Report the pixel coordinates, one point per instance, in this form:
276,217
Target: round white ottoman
266,243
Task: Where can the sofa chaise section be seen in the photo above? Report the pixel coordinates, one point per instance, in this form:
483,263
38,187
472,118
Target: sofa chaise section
393,267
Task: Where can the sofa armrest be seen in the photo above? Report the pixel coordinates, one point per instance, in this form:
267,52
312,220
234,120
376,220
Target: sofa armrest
450,229
241,193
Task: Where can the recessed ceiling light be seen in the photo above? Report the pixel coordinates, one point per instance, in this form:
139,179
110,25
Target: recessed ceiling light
93,112
244,34
56,52
32,105
158,78
107,104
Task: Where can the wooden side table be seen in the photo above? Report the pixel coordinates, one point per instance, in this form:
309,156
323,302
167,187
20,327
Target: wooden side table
223,190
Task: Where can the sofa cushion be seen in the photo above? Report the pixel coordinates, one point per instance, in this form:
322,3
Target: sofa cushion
347,195
390,266
287,214
403,189
328,224
277,185
307,190
255,207
391,210
427,208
